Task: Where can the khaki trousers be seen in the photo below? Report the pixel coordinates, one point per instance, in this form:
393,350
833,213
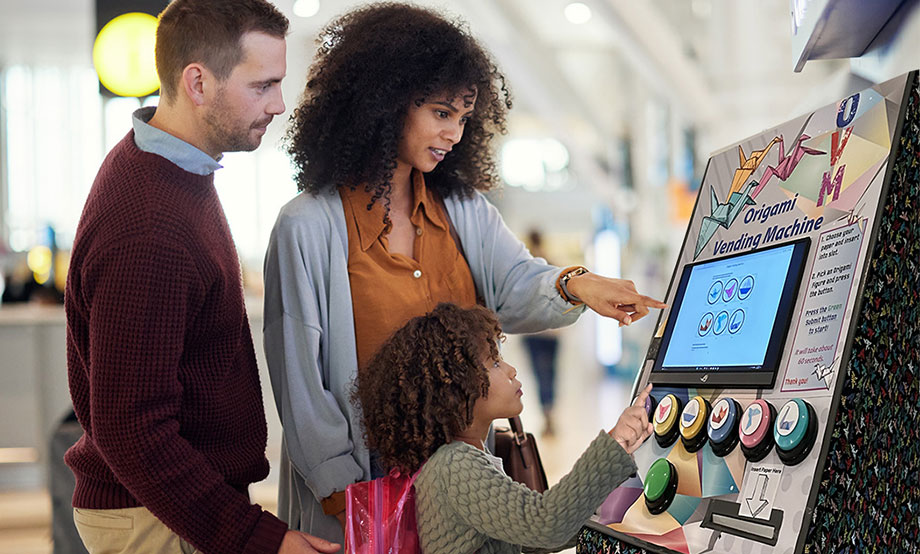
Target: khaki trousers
127,531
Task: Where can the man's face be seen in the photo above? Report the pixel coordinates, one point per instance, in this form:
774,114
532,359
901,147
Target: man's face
247,100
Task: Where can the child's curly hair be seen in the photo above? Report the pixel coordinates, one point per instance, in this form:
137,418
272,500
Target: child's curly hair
419,390
371,64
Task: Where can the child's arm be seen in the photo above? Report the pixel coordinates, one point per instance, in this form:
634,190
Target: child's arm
490,502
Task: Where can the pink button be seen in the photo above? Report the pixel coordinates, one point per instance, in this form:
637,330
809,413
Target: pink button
755,423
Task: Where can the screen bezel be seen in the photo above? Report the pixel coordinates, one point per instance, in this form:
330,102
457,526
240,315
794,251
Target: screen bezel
740,378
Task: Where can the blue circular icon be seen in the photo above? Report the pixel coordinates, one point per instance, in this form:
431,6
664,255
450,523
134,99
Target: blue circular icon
745,288
705,324
731,287
736,321
721,323
715,291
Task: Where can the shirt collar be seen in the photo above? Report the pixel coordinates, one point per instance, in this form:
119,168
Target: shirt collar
370,223
157,141
424,200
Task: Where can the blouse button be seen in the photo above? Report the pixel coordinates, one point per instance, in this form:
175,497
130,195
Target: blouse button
418,231
417,273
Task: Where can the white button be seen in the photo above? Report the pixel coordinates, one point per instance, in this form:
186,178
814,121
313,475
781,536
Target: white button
418,231
417,273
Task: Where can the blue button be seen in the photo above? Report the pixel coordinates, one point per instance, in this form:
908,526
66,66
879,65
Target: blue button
722,420
791,424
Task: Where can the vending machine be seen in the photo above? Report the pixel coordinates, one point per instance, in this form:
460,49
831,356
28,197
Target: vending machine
785,404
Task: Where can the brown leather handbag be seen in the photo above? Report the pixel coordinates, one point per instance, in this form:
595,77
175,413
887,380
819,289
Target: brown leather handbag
519,454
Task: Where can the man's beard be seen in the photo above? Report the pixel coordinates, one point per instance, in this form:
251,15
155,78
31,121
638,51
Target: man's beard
226,133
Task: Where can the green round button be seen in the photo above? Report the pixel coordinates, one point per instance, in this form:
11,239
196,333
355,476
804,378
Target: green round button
657,478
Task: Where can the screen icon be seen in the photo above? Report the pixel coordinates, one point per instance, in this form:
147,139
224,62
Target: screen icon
736,321
745,288
705,324
731,287
715,291
721,323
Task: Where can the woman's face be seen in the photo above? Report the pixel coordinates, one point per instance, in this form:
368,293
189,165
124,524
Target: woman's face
432,129
504,398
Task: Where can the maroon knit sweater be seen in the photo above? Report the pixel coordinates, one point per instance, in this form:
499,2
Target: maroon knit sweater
160,358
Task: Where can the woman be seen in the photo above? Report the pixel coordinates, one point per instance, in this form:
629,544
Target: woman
428,399
391,221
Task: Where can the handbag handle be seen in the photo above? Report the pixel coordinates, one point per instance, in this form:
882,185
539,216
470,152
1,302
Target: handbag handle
517,429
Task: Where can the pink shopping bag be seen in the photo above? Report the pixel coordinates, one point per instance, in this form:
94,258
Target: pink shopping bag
380,516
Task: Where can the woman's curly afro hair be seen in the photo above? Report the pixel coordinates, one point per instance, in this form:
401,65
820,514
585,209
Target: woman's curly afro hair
419,390
371,64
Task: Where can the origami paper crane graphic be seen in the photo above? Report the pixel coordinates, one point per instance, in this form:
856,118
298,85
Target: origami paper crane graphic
722,214
787,162
747,166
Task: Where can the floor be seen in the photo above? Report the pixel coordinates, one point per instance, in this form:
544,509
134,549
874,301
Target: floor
587,401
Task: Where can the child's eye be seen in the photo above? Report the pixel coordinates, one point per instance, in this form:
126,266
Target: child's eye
442,114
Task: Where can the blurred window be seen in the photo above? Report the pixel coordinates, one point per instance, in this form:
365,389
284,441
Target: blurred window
56,130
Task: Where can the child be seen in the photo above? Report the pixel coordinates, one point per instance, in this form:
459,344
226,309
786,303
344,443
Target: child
429,397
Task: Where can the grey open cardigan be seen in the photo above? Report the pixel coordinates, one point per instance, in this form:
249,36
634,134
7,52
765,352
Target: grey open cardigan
309,336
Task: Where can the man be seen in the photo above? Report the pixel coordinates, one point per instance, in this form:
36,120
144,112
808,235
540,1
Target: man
162,369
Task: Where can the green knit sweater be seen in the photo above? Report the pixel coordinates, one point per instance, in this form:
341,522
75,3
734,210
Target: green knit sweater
464,503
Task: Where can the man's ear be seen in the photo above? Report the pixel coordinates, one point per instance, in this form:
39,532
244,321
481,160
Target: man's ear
195,81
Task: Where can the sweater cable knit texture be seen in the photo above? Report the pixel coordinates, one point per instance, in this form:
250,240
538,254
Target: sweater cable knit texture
464,503
160,358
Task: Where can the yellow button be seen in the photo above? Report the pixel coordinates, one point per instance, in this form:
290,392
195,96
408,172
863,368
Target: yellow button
666,414
694,417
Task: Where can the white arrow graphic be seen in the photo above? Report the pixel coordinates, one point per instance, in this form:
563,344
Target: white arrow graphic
761,503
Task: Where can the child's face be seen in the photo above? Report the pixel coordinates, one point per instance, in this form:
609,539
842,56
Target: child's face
504,399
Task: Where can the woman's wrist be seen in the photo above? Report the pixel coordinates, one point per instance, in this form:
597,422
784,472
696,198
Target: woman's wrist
565,282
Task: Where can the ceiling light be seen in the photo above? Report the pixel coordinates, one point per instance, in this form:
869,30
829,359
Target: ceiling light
306,8
578,13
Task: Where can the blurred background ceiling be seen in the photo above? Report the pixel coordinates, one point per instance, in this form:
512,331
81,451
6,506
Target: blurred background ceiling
723,67
656,85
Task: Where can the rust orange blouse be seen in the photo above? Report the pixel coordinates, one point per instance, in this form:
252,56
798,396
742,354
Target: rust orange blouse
387,290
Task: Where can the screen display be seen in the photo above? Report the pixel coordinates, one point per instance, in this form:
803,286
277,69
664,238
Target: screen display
730,318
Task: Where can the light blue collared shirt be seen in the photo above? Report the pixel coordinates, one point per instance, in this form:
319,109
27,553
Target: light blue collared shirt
156,141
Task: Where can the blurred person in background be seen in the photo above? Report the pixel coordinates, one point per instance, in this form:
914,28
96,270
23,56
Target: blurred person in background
542,349
160,358
391,147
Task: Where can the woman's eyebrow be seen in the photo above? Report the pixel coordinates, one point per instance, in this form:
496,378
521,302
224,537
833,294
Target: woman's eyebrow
450,106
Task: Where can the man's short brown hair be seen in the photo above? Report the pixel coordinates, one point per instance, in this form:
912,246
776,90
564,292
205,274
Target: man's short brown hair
209,32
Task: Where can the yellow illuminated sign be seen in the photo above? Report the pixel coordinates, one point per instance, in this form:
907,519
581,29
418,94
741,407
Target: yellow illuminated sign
123,55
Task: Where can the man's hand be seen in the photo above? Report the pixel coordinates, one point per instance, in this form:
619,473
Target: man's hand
633,427
296,542
616,298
